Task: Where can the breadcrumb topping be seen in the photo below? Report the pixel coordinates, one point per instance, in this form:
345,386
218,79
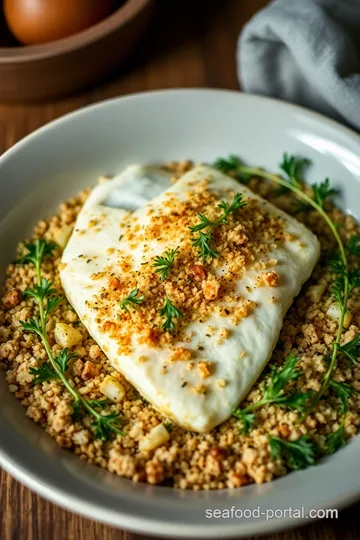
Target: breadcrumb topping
196,288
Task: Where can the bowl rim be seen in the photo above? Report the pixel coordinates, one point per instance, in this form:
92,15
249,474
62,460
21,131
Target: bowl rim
118,19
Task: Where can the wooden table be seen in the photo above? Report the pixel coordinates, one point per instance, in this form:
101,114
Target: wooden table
190,44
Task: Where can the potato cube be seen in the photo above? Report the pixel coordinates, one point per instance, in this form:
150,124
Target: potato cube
67,336
112,389
158,436
62,235
334,312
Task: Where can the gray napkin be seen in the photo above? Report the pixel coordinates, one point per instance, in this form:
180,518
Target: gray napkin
306,52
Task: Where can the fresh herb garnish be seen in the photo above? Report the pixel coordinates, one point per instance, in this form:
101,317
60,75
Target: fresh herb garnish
164,262
354,245
43,373
133,299
231,166
346,279
206,227
294,167
322,192
44,294
335,440
273,393
351,350
297,454
247,419
36,252
170,312
344,392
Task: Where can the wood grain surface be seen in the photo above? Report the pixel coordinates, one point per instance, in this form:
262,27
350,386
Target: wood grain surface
189,44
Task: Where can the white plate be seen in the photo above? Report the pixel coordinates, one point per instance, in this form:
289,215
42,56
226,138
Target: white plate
59,159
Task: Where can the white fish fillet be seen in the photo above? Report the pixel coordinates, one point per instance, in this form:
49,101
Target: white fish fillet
237,361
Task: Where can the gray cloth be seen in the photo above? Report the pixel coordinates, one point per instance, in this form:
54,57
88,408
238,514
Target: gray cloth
306,52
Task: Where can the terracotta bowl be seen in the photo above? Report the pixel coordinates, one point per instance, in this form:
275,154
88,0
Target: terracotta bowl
37,72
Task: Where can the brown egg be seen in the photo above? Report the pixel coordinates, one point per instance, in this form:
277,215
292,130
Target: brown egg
40,21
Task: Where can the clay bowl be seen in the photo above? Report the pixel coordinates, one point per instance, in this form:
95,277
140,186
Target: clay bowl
30,73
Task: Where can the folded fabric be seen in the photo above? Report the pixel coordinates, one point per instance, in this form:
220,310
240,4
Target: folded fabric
306,52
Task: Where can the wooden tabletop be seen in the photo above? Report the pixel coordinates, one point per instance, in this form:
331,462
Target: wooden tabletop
189,44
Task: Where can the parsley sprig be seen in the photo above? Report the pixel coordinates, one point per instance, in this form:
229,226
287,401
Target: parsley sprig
335,440
44,294
346,279
35,253
232,167
170,312
343,392
297,454
274,393
163,263
133,299
205,228
351,350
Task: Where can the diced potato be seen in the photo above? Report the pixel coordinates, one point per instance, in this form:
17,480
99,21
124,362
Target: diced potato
62,235
66,335
334,312
112,389
315,292
158,436
347,319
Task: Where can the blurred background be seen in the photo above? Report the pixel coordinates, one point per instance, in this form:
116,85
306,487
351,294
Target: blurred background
183,43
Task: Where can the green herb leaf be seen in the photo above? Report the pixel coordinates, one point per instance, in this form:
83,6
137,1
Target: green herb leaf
335,440
165,262
44,291
43,373
293,167
169,426
273,393
32,325
99,403
52,303
36,252
63,359
107,425
228,209
202,242
41,291
344,392
351,350
297,454
133,299
280,377
232,165
206,227
170,312
354,245
354,278
323,191
78,410
297,401
247,420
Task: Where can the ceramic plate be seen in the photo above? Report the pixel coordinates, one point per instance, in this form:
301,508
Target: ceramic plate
69,154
